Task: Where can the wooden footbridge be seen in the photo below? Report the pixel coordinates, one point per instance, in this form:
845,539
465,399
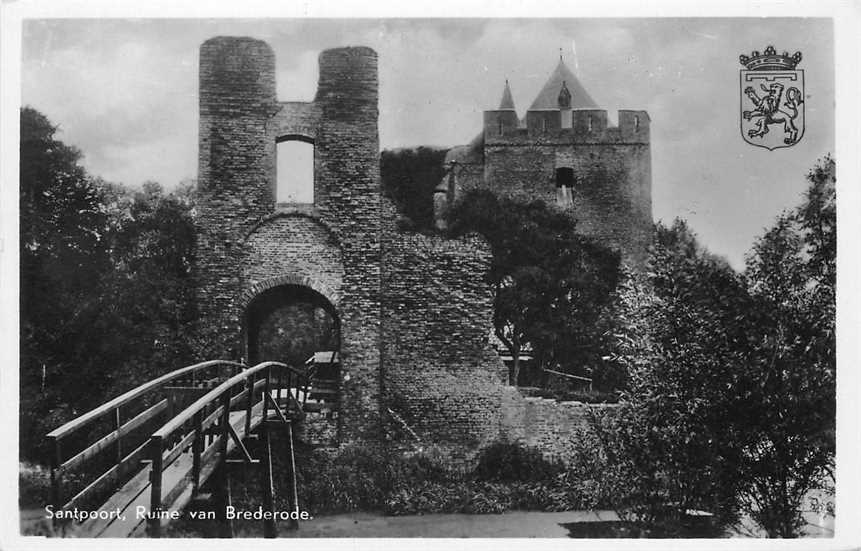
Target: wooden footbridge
132,465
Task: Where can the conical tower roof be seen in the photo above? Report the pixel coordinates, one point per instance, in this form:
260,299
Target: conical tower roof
548,98
507,101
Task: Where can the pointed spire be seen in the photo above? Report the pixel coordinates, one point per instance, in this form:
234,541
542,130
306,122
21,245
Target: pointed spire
507,101
548,97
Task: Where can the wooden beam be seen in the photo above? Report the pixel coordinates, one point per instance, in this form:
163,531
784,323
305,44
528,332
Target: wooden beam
114,473
239,444
103,443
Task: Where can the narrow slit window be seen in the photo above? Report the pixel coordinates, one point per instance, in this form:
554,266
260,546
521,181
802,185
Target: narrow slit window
295,172
500,127
590,124
636,122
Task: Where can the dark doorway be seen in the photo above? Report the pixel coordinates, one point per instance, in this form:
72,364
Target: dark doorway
289,324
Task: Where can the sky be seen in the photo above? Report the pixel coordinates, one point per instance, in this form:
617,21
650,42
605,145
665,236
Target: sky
124,91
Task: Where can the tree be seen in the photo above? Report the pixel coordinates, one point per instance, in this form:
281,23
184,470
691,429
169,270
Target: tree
791,275
63,254
552,286
678,438
105,286
147,296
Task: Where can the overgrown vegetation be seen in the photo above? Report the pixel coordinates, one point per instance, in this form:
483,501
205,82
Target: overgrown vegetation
507,477
409,177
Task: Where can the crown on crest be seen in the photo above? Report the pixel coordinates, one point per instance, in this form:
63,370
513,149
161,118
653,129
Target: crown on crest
770,60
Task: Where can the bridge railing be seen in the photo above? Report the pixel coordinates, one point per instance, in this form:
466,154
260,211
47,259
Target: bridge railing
205,428
79,448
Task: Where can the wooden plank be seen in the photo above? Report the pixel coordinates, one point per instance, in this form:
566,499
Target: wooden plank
238,398
179,448
129,492
103,443
110,475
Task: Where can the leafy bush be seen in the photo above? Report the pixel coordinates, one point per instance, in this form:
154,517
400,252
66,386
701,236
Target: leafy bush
374,478
508,462
34,485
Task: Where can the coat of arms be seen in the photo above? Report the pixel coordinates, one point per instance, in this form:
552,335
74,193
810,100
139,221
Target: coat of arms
772,99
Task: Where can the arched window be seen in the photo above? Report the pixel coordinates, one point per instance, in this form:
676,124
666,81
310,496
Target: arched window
295,170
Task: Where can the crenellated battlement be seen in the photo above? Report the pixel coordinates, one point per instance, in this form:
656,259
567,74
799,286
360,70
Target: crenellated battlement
563,151
547,127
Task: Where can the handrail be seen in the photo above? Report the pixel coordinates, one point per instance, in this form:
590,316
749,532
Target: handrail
188,413
578,377
126,397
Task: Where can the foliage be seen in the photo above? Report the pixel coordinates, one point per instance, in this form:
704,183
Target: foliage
398,482
679,436
409,177
791,274
105,283
506,462
63,254
730,403
554,289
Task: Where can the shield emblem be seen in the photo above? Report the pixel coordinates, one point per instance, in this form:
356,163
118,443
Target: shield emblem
771,91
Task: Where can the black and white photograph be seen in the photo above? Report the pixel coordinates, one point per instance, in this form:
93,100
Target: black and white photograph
482,274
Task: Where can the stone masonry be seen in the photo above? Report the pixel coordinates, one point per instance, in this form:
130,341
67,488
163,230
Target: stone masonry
609,193
414,310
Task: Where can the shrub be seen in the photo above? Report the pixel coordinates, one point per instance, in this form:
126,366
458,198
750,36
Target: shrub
509,462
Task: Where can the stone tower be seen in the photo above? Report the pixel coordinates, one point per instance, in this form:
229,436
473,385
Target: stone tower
247,244
564,152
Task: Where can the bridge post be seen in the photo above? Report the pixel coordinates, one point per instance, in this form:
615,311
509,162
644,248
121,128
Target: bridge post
222,480
154,520
197,450
56,478
294,494
270,529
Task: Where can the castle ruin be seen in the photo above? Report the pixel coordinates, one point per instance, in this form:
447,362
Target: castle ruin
412,311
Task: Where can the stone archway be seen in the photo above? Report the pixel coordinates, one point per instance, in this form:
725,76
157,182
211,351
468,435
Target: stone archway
290,322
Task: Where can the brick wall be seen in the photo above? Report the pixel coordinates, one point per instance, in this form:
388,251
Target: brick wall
543,423
440,375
